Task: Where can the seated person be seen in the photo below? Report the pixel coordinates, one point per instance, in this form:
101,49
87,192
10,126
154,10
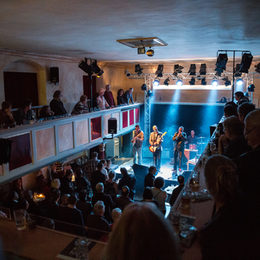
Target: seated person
150,177
233,231
120,97
101,101
127,180
83,204
159,195
176,191
148,196
116,215
230,110
98,176
6,116
123,200
56,104
97,226
244,109
81,107
111,187
25,114
46,112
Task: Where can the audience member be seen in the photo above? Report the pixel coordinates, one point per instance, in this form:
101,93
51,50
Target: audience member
120,97
111,187
98,226
104,170
46,112
149,178
83,204
91,165
52,209
148,196
176,191
244,109
109,96
232,143
231,232
101,101
6,116
127,180
240,97
159,195
116,215
98,176
81,107
142,222
82,182
25,114
100,195
123,200
56,104
67,186
128,96
230,110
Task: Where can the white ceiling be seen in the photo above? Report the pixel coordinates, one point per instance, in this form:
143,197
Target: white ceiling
82,28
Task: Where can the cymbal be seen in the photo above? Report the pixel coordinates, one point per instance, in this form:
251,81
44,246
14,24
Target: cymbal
201,137
201,143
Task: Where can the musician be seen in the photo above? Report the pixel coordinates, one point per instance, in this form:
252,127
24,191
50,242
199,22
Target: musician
192,140
156,140
138,138
179,138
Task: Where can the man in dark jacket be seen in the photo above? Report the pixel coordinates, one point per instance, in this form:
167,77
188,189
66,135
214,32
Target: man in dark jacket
149,178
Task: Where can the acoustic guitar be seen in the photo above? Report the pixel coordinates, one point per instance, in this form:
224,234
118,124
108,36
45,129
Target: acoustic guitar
154,147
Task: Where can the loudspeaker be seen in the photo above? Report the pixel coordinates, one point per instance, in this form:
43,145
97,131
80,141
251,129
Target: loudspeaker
54,75
140,172
112,126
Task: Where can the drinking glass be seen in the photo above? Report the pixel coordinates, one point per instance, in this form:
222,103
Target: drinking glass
20,219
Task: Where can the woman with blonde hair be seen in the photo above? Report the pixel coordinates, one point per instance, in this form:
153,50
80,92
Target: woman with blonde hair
142,233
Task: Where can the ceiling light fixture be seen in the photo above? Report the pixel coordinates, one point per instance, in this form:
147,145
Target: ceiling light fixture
179,82
138,69
192,81
214,82
192,69
246,62
166,82
177,69
221,63
203,81
159,71
156,83
203,69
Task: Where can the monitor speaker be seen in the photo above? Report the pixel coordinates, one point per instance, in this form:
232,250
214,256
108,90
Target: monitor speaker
140,172
54,75
112,126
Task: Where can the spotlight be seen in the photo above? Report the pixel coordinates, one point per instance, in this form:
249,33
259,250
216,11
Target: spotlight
156,83
237,71
141,50
192,81
127,73
179,82
251,88
203,69
150,52
221,63
257,68
239,82
95,68
227,81
138,69
144,87
166,82
214,83
177,69
192,69
159,71
149,93
203,81
246,62
85,66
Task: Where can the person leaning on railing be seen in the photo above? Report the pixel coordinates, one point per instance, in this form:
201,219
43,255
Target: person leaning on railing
6,116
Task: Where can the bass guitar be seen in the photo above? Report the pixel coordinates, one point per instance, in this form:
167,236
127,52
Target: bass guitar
154,147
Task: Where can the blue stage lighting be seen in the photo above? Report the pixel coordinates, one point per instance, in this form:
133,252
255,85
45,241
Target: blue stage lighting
214,83
156,83
239,82
179,82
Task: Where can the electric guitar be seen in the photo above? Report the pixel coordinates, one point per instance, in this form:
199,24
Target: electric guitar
134,138
154,147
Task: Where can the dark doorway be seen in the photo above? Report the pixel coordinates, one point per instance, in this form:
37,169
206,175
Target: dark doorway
20,86
89,88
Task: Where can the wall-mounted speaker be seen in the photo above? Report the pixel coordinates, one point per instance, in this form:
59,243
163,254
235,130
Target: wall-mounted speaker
54,75
112,126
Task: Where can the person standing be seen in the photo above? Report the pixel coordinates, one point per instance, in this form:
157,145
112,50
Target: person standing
56,104
129,96
155,141
137,141
179,138
101,101
120,97
109,96
192,140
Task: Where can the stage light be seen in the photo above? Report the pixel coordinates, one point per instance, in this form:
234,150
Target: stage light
177,69
203,81
203,69
192,81
221,63
237,71
150,52
239,82
257,68
86,67
156,83
251,88
95,68
227,81
192,69
127,73
166,82
214,82
149,93
159,71
141,50
138,69
179,82
246,62
144,87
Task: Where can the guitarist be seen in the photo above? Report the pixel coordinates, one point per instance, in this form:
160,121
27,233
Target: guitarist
137,141
156,140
